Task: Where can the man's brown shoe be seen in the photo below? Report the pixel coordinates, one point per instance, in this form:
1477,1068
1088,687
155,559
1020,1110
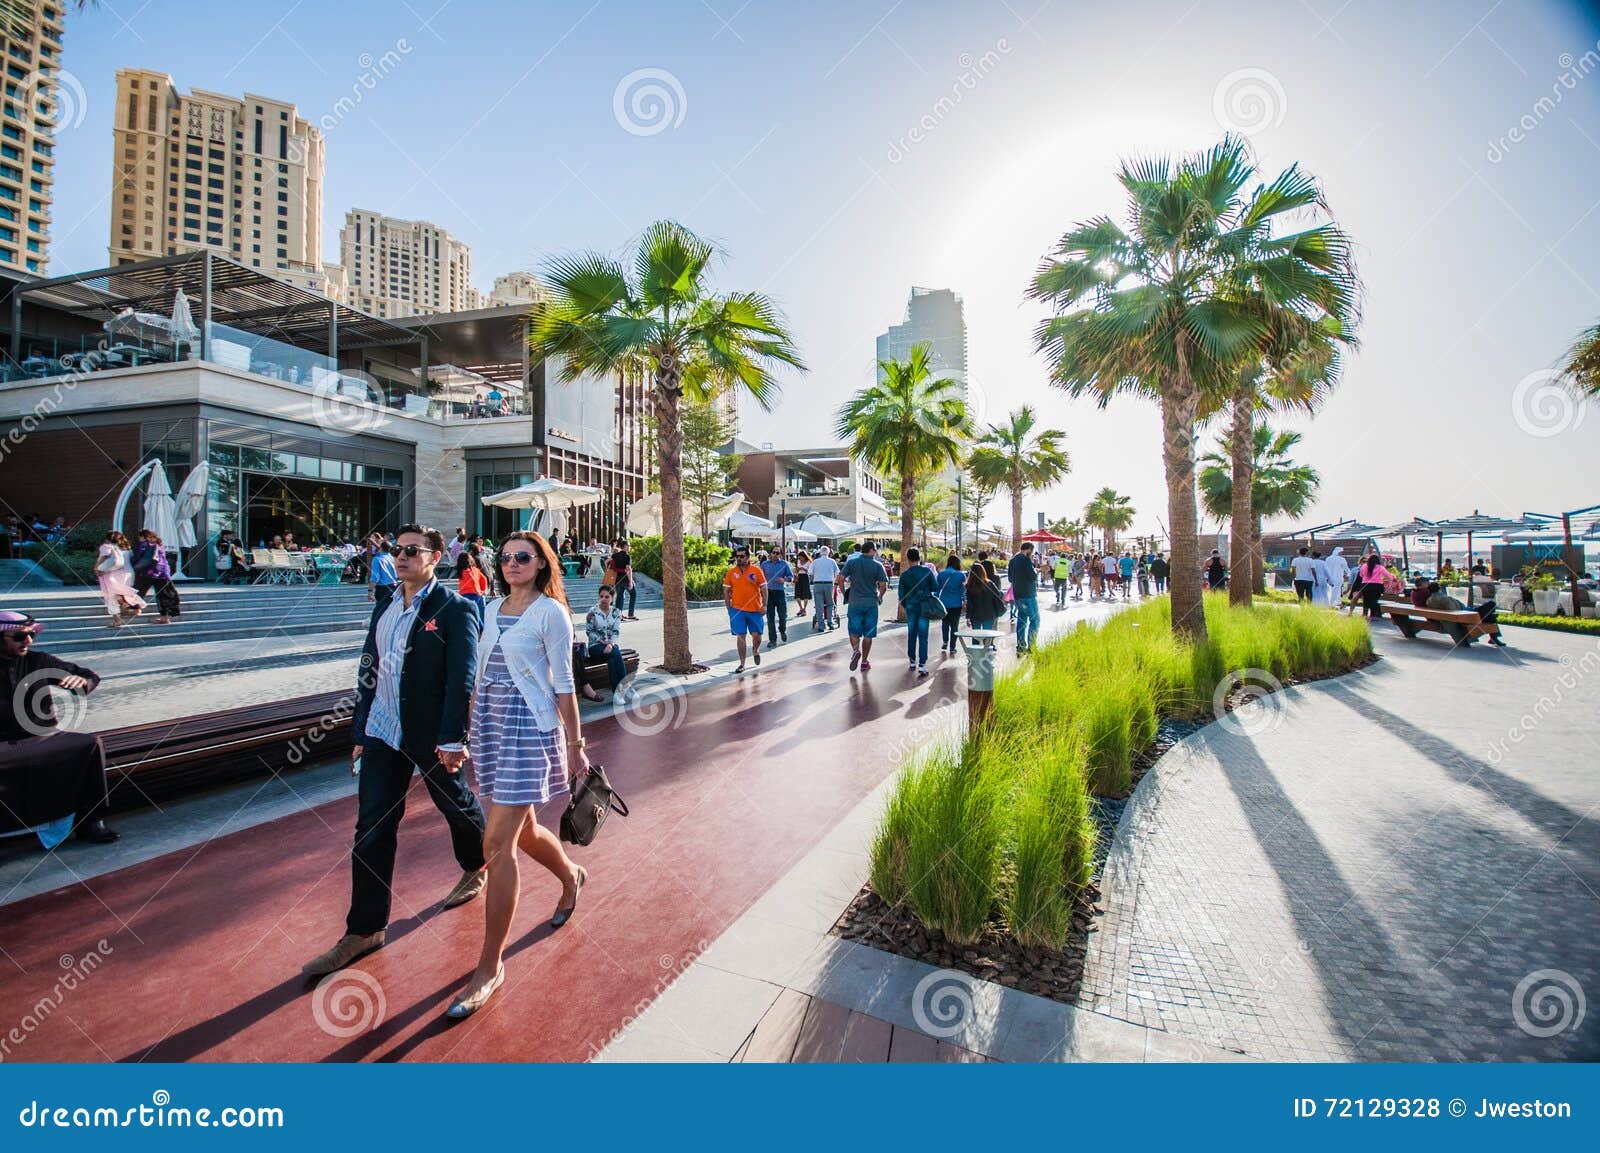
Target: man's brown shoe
468,887
351,946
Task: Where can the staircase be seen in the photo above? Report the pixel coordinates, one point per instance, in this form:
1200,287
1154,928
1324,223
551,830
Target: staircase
75,618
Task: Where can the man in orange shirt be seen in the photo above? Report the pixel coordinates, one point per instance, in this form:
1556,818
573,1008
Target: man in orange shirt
744,591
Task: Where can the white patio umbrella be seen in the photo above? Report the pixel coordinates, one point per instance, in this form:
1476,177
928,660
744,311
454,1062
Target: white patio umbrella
160,512
547,499
827,527
190,499
644,516
880,528
184,328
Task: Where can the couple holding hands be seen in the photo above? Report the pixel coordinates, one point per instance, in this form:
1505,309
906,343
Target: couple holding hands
424,670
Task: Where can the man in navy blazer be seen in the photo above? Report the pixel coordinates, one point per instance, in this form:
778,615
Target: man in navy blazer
413,693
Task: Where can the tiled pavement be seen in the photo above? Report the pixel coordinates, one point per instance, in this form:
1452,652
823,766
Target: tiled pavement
1402,864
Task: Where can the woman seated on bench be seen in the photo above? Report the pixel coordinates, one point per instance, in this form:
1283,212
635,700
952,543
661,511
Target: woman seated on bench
1436,598
603,627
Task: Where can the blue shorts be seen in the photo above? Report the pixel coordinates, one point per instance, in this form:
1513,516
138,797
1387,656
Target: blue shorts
742,621
862,620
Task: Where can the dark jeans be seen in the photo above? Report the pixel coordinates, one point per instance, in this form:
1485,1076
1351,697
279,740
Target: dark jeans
1061,591
631,591
1302,590
166,592
477,601
384,782
777,615
948,627
616,670
917,638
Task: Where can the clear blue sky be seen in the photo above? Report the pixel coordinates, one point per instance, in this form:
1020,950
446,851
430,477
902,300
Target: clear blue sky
791,142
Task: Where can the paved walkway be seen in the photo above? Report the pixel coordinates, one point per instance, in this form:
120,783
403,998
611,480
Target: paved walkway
1400,864
730,787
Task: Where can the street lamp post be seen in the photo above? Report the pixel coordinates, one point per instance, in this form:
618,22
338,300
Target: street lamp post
783,526
958,513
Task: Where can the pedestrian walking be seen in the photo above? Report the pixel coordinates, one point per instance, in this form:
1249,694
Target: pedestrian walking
473,581
744,593
1062,574
802,583
1075,575
115,577
868,582
1160,569
1125,568
152,570
621,565
382,579
527,745
824,574
984,602
917,581
413,694
779,575
1024,582
952,587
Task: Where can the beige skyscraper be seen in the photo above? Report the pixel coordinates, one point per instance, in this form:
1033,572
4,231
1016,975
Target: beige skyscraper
33,58
242,176
395,267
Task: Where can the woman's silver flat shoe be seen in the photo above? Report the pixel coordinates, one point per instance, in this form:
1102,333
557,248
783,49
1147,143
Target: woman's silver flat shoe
465,1007
562,916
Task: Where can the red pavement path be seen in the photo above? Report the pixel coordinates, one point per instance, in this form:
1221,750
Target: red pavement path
206,943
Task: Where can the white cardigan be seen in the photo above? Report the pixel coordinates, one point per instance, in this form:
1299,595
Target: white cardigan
538,651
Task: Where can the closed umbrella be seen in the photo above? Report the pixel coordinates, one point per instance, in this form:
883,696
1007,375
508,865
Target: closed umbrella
190,499
184,329
160,511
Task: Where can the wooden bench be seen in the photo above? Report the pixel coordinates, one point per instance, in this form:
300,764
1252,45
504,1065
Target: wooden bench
162,759
1463,626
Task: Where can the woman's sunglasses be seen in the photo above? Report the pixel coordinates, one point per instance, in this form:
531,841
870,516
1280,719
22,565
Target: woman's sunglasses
516,558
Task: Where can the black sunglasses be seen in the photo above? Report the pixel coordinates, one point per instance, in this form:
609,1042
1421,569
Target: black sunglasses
412,549
517,558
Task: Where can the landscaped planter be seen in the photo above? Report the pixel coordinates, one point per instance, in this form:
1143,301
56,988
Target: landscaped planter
1546,601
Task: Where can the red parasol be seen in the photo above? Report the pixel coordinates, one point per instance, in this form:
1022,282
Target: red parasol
1045,536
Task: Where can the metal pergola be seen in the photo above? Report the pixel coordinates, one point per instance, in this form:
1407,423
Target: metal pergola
222,290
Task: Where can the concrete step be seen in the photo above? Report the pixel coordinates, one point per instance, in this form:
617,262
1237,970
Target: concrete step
143,634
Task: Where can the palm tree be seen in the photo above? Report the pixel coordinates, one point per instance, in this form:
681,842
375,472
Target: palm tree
660,317
906,424
1071,529
1015,457
1171,306
1279,487
1111,512
1582,367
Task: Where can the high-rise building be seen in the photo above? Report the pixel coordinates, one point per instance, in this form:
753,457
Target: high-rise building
32,46
518,288
404,267
242,176
934,316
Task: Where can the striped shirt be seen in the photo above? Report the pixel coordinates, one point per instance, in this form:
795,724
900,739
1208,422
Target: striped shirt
394,634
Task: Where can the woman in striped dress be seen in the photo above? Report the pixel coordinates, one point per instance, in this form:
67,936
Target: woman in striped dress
525,737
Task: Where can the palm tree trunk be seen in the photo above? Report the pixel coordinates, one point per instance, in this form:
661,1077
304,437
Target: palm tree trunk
1258,563
669,460
1179,408
1016,514
1241,563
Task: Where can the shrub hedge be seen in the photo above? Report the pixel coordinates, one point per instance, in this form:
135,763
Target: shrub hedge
998,827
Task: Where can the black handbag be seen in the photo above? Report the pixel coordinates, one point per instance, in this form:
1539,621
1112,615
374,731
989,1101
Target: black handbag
592,801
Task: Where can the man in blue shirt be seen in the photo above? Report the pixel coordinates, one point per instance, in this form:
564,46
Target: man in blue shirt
382,578
1024,580
778,574
869,580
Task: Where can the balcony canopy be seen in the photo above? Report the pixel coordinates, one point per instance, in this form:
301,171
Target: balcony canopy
240,297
